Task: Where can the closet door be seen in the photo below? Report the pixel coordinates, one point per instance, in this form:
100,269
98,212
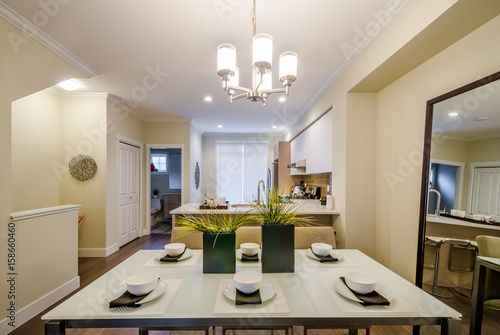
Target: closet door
485,191
128,193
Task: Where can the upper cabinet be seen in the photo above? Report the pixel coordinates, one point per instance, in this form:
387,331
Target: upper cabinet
314,145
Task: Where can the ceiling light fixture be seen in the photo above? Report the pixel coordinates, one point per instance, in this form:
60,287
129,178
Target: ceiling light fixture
70,85
219,126
208,99
282,99
453,114
262,54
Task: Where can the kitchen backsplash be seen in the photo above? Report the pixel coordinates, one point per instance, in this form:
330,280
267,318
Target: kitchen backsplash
318,179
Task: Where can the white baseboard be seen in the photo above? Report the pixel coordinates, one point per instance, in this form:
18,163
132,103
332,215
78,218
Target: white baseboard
38,306
97,252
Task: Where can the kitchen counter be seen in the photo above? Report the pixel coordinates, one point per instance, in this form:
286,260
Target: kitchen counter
303,207
457,222
312,208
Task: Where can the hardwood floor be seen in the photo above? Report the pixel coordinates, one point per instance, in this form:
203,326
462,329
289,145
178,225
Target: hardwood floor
90,269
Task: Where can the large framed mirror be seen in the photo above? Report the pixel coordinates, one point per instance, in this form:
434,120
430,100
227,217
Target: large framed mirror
460,181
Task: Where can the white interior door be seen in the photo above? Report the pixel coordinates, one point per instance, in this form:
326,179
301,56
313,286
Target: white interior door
486,190
128,192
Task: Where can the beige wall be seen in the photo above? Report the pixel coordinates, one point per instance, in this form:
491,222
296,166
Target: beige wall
29,67
173,133
195,157
83,131
119,122
36,148
419,31
209,154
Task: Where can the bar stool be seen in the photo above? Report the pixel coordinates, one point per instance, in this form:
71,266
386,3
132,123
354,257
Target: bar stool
460,246
435,290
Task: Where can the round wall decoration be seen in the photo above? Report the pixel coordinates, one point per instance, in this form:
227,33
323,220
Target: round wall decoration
197,175
82,167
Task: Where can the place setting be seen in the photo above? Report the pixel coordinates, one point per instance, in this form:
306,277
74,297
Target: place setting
249,292
358,291
140,294
174,254
323,254
248,254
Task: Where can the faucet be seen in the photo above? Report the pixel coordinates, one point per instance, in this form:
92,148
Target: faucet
258,189
438,201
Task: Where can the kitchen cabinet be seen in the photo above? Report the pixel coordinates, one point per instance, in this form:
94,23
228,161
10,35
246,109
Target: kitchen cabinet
314,145
282,154
170,202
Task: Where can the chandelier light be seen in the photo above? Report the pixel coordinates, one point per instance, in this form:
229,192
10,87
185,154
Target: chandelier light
262,58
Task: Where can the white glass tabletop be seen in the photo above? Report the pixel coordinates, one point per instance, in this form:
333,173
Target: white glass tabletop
307,297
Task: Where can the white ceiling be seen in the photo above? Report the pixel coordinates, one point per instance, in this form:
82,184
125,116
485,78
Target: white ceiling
125,40
483,102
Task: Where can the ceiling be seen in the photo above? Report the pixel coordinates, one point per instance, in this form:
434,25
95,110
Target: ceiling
159,56
478,114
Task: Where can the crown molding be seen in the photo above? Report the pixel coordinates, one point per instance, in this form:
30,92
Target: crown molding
468,139
59,92
38,35
117,102
395,6
174,119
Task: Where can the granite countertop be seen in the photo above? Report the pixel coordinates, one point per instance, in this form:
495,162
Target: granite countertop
304,206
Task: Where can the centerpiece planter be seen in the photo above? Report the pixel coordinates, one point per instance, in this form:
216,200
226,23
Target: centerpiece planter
219,253
219,237
278,248
278,220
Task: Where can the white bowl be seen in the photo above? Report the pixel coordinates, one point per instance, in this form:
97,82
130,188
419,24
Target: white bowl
142,283
456,212
321,249
249,249
247,281
175,249
360,282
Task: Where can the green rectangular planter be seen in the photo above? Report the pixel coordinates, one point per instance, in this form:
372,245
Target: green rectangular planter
278,248
221,256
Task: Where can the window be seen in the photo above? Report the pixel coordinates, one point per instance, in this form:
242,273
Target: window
239,169
160,162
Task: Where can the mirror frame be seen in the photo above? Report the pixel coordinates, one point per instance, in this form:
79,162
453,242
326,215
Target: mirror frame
426,163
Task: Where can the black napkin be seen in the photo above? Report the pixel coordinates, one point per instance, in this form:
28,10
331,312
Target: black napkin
248,299
249,258
327,258
168,258
369,299
126,299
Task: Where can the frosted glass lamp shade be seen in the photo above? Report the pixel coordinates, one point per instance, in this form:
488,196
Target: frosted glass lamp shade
234,80
288,65
262,50
267,80
226,58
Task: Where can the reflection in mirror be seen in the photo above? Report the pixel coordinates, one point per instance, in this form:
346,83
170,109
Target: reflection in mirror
460,196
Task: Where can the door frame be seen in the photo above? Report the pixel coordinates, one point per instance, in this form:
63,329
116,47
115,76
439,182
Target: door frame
147,230
459,187
473,167
140,145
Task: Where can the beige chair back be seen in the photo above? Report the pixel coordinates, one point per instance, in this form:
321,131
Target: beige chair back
193,239
489,246
248,234
304,237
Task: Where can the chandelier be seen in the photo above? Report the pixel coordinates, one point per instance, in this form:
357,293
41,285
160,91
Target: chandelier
262,54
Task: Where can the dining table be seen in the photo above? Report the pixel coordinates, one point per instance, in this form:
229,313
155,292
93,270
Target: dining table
482,264
312,295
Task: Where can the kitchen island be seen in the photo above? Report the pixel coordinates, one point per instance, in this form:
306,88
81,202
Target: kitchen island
309,208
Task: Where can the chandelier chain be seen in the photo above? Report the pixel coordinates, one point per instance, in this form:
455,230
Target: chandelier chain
254,18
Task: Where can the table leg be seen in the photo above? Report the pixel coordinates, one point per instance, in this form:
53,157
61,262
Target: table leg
476,316
451,327
55,327
353,331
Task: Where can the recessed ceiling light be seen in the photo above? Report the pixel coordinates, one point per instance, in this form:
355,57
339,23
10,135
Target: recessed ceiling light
282,99
219,126
70,85
275,126
453,114
208,98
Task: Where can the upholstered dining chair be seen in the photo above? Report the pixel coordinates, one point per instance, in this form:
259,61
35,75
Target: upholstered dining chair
304,237
489,246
